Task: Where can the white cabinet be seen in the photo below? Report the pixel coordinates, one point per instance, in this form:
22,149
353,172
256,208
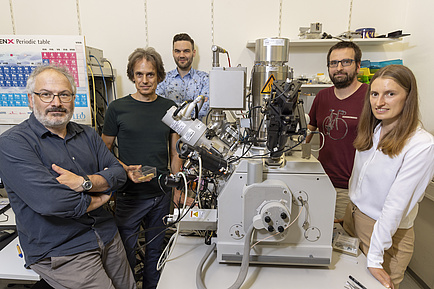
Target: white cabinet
422,262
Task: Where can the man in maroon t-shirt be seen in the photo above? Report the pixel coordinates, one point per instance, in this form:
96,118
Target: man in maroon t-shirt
335,112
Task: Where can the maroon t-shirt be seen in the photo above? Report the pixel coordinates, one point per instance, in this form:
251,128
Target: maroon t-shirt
337,120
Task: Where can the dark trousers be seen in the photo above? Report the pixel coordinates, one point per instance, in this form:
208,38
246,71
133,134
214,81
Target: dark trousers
129,215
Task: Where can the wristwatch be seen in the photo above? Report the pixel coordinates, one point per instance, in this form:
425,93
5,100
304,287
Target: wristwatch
87,184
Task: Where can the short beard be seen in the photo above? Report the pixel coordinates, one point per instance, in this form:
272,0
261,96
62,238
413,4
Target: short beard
186,65
52,123
344,83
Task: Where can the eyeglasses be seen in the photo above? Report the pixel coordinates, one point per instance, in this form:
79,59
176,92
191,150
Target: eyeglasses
344,62
48,97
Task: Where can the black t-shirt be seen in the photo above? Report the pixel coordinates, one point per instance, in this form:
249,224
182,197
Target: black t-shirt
142,138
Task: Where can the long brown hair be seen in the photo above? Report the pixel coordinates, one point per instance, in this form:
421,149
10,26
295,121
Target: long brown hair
394,141
151,55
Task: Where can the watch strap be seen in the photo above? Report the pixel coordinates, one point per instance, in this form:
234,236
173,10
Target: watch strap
87,183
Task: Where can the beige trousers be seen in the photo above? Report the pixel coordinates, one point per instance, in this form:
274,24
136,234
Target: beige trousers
397,257
342,200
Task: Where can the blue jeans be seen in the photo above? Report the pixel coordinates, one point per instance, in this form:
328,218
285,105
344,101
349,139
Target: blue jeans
129,215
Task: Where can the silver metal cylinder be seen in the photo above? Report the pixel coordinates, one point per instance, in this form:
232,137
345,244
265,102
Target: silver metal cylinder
254,172
272,50
263,77
215,59
271,55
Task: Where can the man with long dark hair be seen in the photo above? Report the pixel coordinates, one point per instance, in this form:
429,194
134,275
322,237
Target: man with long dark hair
143,139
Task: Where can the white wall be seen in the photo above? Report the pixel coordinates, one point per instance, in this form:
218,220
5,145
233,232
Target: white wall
419,54
118,27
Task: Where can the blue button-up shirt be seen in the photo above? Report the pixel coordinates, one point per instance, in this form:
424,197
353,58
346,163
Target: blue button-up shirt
51,218
178,89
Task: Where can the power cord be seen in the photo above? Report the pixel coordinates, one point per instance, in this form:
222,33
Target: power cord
244,263
103,78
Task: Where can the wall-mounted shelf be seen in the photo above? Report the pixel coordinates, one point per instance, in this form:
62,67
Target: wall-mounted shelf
323,85
330,42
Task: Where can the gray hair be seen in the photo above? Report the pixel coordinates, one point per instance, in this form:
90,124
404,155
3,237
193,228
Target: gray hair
61,69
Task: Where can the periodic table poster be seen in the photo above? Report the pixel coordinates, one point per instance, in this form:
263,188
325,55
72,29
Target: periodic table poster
20,54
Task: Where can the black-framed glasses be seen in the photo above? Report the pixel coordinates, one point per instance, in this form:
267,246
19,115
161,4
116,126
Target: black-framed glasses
48,97
344,62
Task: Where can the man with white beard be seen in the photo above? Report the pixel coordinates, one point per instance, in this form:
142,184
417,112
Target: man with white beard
58,174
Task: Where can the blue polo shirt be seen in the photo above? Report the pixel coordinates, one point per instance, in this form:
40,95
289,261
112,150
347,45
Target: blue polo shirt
51,218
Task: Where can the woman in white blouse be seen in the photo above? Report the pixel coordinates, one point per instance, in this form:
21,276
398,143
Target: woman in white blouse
393,165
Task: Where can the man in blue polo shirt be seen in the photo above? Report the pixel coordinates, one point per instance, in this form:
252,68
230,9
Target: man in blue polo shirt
185,83
58,175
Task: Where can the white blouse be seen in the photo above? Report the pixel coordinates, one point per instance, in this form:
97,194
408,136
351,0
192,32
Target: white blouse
388,189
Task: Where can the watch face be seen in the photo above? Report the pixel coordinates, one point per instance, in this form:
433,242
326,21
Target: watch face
87,184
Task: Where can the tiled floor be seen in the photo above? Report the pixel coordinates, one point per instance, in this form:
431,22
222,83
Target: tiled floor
7,284
407,283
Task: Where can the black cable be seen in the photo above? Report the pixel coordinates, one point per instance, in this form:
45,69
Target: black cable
99,126
102,97
286,90
152,228
7,218
207,116
178,150
102,73
196,112
113,77
166,227
150,241
242,155
266,154
179,108
251,143
281,150
249,115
